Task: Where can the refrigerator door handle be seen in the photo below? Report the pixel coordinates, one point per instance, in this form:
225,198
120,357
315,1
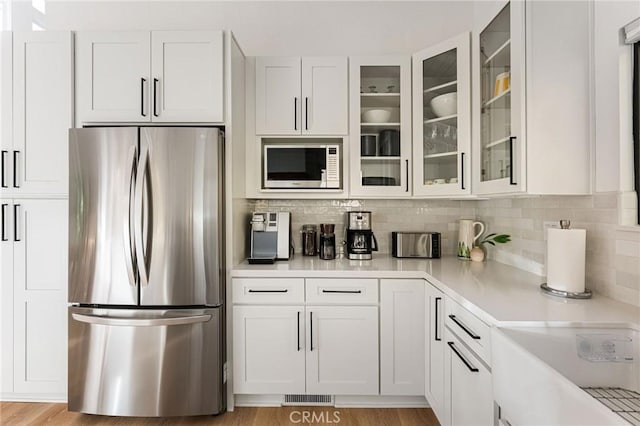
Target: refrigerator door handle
138,213
144,322
130,220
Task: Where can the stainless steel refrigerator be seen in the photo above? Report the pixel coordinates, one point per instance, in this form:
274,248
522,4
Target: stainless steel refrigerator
146,271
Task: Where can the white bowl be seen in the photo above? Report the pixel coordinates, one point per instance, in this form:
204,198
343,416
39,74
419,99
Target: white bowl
376,115
445,105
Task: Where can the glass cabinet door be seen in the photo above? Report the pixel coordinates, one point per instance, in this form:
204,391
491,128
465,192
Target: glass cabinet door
441,80
380,130
499,49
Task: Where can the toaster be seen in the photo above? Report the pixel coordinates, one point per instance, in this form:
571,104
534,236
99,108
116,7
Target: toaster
416,244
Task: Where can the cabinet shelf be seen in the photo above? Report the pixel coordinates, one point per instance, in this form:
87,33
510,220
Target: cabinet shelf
503,100
381,158
441,154
380,99
497,142
449,119
501,56
439,89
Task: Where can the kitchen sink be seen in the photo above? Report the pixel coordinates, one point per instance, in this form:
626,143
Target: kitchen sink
566,375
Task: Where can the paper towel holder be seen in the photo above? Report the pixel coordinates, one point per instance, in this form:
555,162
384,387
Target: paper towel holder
586,294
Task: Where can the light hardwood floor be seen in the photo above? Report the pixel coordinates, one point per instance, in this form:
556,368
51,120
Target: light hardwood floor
23,413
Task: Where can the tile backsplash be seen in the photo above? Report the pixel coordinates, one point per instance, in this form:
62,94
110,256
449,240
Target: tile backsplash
613,251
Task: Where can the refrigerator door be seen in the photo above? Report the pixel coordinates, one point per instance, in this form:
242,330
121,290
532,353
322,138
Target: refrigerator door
101,180
148,363
177,205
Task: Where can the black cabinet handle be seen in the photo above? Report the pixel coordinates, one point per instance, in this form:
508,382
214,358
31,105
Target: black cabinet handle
155,97
464,327
15,222
298,331
142,82
295,113
3,154
342,291
407,174
311,329
4,238
462,170
306,113
268,291
512,181
462,358
437,315
15,168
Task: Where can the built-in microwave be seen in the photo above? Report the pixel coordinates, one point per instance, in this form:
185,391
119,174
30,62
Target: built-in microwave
301,165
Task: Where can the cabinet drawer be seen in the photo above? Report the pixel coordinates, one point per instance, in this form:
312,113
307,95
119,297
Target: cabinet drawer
336,290
268,290
471,330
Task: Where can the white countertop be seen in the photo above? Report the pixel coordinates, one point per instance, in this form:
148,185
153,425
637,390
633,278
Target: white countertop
497,293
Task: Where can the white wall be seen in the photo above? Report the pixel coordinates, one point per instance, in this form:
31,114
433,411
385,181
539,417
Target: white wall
273,28
613,90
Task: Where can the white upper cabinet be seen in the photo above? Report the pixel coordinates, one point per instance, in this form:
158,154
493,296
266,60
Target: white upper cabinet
301,96
442,119
34,155
158,76
380,126
187,76
112,71
531,97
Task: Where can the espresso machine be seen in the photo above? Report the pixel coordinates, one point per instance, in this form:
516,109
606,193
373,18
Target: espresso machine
270,238
360,239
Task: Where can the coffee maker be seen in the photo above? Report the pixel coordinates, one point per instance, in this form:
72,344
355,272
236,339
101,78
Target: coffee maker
360,239
270,237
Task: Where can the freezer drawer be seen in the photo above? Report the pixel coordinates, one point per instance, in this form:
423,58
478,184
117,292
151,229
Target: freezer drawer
126,362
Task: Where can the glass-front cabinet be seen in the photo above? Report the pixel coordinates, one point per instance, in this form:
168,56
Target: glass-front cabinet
380,126
442,119
498,84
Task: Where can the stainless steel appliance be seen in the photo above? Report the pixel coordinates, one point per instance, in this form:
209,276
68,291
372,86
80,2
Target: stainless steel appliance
360,239
327,241
270,237
301,165
416,244
146,271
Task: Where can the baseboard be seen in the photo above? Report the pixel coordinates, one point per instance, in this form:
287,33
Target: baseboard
24,397
343,401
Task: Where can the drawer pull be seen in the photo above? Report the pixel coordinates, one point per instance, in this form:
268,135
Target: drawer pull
268,291
343,291
464,327
462,358
311,331
298,331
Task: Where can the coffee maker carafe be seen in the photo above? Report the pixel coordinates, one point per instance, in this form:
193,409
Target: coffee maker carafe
360,239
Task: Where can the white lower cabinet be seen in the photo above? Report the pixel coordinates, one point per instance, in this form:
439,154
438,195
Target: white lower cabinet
342,354
435,350
402,337
34,297
268,347
468,395
292,348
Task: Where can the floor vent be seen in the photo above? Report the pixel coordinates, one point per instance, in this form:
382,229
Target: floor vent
308,400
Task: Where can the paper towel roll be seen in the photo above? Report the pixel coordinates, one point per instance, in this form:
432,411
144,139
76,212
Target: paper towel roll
566,259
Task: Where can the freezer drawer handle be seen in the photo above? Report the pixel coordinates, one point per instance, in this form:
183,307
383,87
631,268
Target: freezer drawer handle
462,358
268,291
464,327
154,322
342,291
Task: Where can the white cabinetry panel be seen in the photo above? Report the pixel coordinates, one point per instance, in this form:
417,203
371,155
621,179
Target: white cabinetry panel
268,347
324,94
188,68
278,106
435,347
402,334
113,71
342,355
